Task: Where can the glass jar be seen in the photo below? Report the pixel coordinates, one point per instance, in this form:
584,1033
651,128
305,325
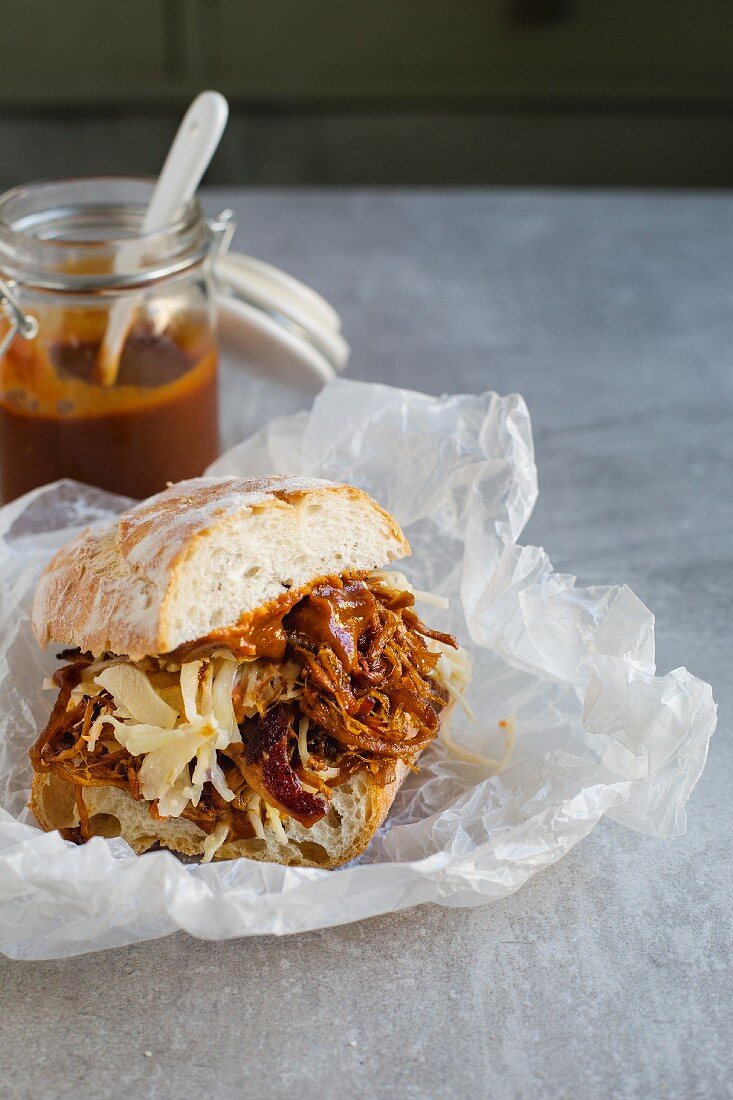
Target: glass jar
108,368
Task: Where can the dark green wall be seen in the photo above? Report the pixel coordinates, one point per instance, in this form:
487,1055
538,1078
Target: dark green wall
393,91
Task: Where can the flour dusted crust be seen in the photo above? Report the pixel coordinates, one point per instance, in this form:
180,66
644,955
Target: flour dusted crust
357,810
203,555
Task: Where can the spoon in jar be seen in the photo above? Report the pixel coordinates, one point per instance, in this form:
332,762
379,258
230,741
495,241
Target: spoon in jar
189,156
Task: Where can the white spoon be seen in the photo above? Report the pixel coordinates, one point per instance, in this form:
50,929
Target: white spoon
188,158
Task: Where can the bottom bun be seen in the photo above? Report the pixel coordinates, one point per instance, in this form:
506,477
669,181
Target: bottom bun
356,811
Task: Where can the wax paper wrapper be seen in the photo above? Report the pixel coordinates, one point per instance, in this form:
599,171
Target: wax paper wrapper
597,732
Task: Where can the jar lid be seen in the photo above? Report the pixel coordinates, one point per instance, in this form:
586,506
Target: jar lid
281,326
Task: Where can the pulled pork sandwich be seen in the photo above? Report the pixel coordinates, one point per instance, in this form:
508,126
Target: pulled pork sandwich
241,678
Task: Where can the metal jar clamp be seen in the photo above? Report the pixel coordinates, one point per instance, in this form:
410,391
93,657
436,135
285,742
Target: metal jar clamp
21,324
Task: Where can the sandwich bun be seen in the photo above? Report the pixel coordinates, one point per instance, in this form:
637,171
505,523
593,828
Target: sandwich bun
357,809
206,555
203,555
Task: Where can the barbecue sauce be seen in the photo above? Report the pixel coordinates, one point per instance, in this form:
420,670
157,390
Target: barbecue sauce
158,423
334,612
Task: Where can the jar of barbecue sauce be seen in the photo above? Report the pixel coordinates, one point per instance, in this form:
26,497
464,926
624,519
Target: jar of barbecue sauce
108,363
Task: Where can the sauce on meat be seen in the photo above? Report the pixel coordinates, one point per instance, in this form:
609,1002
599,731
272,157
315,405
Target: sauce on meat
334,612
335,617
367,691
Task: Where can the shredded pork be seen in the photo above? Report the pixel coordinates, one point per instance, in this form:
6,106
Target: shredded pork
357,687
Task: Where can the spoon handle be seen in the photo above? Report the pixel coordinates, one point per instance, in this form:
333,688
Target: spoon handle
188,158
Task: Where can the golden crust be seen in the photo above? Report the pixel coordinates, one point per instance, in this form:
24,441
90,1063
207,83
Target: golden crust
112,590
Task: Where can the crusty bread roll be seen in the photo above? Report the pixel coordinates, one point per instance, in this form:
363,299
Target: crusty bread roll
356,811
203,555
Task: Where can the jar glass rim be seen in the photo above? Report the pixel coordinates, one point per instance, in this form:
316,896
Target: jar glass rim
54,232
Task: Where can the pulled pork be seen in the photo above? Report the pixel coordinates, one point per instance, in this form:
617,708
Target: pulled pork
363,681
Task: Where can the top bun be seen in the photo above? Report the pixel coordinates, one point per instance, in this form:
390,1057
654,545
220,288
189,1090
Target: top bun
203,555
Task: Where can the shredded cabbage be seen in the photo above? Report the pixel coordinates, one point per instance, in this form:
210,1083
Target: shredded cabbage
274,820
303,741
130,688
254,816
262,683
453,672
173,800
214,841
221,703
189,688
146,725
392,578
178,718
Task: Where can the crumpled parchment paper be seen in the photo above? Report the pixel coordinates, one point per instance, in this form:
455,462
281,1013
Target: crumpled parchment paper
597,731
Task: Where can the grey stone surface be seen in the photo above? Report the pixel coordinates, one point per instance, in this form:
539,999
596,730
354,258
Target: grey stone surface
610,973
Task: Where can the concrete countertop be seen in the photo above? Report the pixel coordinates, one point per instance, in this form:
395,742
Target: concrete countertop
610,973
